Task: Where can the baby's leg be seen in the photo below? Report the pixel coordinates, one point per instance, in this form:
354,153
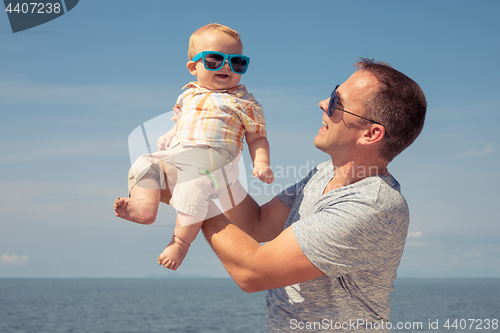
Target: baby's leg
170,175
176,250
142,206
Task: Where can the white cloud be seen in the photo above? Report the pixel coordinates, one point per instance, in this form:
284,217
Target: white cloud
414,239
414,234
482,149
13,260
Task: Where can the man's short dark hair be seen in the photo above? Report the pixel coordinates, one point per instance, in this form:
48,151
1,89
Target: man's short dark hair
399,104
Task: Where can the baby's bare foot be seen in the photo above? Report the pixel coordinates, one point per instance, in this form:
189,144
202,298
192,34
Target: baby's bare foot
135,210
174,254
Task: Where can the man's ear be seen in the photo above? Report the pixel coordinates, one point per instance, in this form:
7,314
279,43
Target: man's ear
373,135
191,65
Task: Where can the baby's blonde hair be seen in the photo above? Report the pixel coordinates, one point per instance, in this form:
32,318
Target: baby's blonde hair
209,27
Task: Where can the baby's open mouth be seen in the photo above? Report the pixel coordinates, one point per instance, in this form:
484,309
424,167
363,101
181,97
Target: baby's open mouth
222,75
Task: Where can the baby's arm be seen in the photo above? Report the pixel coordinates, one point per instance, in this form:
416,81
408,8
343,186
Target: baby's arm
164,140
259,151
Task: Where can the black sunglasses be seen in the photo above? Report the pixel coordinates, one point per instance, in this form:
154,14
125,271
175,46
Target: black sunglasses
332,106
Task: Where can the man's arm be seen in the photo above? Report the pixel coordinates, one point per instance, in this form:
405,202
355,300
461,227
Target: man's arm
262,223
255,267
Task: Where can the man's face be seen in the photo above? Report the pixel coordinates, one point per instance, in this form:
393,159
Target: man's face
341,131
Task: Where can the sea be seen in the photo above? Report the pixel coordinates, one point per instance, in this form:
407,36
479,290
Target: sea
218,305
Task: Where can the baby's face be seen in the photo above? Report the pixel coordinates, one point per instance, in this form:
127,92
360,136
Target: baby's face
224,78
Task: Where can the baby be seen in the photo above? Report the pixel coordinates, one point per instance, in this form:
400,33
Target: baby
200,153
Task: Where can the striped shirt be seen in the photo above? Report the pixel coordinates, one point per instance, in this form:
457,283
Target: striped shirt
217,118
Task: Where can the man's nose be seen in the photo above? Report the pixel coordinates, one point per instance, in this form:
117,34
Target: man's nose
323,105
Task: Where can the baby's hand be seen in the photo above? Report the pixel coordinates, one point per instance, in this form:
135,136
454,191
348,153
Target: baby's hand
163,142
177,112
263,172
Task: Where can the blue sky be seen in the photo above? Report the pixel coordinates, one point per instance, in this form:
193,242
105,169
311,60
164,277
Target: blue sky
73,89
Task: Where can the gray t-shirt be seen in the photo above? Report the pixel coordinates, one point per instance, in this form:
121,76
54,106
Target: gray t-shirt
355,235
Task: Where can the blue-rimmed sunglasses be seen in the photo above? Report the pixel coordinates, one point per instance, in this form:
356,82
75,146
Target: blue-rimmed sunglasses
332,106
214,61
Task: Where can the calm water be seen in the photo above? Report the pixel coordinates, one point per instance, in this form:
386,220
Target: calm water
217,305
471,302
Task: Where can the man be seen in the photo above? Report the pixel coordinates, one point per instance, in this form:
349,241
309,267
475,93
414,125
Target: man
335,239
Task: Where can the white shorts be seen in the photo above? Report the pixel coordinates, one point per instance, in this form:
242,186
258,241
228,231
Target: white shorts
203,173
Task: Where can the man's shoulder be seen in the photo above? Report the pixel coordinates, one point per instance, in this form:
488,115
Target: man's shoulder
383,191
